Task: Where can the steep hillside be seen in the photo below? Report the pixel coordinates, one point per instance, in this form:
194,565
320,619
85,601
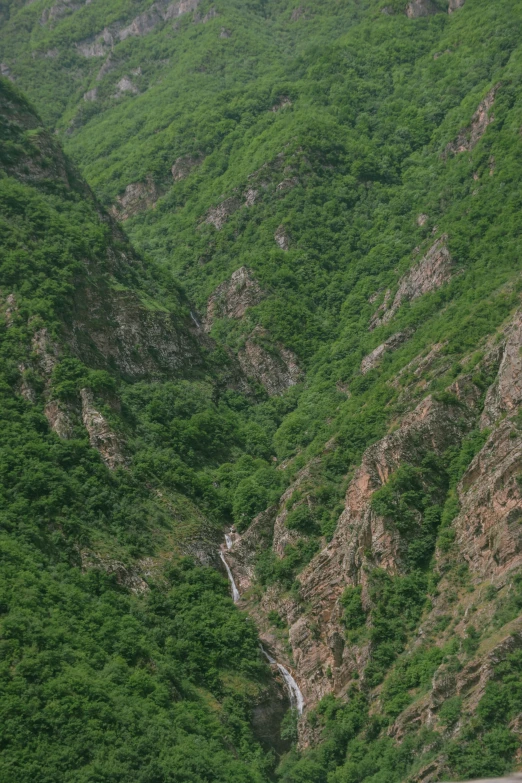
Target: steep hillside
337,188
122,654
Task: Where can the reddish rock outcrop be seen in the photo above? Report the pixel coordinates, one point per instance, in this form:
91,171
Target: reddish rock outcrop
418,8
432,272
282,238
488,527
470,136
282,535
271,364
391,344
469,683
505,394
361,537
63,418
101,435
233,297
138,197
218,216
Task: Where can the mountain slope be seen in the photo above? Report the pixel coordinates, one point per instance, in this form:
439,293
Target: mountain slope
122,658
337,188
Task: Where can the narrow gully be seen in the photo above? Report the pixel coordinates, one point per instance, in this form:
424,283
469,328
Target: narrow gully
294,692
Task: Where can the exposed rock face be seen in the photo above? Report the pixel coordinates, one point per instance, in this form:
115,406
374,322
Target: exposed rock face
114,328
184,165
97,46
138,197
488,534
232,298
246,548
159,12
488,528
211,14
470,136
46,161
282,238
268,713
477,673
275,368
63,418
90,95
360,534
469,683
283,103
218,216
250,197
143,24
432,272
127,576
454,5
106,68
373,358
417,8
287,184
282,535
101,436
505,395
47,351
125,85
59,10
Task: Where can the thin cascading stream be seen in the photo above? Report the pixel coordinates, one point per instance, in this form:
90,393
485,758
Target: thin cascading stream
294,691
235,591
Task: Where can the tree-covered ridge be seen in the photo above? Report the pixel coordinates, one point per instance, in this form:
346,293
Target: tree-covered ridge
105,676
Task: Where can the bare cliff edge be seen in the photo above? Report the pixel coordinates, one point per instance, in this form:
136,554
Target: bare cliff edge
485,537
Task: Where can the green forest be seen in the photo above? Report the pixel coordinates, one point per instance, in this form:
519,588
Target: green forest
242,244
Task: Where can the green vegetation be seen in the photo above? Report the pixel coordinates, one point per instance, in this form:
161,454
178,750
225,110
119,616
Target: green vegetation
329,125
103,676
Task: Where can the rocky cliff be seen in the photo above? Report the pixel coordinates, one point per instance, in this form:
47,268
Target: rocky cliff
485,540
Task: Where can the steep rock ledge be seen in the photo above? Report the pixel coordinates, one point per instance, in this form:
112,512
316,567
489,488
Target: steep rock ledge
432,272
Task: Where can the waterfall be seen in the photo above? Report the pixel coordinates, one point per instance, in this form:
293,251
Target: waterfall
294,692
195,319
235,591
296,697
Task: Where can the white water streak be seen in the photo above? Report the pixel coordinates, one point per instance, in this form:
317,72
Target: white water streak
195,320
228,541
235,591
296,697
